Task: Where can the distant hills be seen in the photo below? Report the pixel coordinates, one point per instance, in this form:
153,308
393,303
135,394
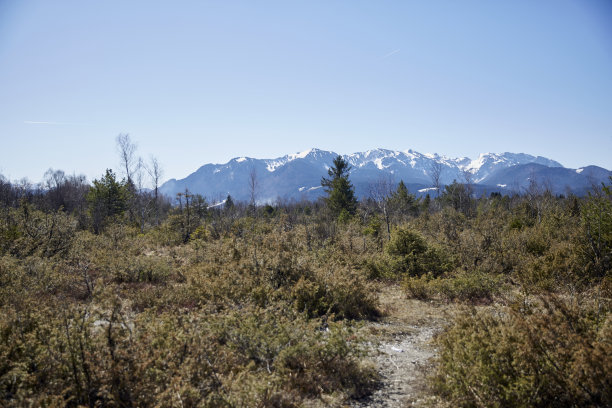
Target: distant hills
298,176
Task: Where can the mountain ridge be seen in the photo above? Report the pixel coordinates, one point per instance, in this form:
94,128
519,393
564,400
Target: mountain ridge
298,175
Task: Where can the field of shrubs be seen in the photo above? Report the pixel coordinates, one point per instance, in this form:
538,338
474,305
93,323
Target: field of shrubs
109,297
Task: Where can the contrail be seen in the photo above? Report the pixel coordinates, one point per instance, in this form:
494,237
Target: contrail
39,122
391,53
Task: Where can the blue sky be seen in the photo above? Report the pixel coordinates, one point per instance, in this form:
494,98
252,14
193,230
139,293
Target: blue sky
205,81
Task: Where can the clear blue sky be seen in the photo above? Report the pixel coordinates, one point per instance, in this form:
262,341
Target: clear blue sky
205,81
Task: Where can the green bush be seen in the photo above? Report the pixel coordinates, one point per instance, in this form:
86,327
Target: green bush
405,242
407,253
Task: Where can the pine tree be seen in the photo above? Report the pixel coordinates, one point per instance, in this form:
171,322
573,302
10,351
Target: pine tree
107,198
229,202
403,202
340,192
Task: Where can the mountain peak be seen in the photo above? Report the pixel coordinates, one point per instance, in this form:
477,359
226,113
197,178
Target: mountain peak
298,175
304,154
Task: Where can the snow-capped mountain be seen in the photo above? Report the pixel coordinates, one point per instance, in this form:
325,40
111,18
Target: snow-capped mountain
297,176
487,164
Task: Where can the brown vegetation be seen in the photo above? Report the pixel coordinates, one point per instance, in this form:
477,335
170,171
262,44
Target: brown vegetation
103,304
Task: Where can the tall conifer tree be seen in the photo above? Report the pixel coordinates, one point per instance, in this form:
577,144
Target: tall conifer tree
340,191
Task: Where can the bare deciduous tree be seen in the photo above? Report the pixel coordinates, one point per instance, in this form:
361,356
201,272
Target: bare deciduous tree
538,195
156,173
435,173
142,200
253,187
467,178
139,173
469,189
54,179
381,191
127,158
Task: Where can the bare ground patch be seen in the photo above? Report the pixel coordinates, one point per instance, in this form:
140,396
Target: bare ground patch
404,350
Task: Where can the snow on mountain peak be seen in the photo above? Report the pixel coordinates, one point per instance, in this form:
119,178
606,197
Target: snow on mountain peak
393,161
273,164
304,170
378,163
301,155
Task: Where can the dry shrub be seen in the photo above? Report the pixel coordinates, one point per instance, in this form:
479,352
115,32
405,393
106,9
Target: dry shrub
326,362
342,292
107,356
26,231
463,286
418,287
553,354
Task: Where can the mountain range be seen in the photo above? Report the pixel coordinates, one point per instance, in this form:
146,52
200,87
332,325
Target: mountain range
298,176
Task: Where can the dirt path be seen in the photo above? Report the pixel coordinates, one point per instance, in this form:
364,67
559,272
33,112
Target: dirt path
404,349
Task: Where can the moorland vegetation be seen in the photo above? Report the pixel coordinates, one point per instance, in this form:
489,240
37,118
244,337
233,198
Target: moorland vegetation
111,295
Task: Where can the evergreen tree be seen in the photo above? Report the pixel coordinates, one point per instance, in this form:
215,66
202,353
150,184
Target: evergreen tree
107,198
403,202
426,203
340,192
457,195
229,203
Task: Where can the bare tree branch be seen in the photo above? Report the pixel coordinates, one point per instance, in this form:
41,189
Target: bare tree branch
253,186
381,191
126,150
435,172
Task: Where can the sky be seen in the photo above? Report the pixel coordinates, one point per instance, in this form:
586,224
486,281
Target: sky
196,82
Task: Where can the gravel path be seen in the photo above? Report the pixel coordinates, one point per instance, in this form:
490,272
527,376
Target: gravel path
404,353
402,364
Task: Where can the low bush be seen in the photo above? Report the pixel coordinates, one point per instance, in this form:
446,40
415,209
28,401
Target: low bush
554,353
470,286
344,294
326,362
408,254
464,286
105,357
418,287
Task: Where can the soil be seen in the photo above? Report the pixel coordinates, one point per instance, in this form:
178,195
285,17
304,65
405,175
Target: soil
404,350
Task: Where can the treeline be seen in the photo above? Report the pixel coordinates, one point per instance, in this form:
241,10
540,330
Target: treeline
110,296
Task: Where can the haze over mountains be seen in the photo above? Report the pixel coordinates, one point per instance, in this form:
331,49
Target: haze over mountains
298,176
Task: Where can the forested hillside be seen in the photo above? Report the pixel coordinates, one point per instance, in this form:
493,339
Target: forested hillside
111,295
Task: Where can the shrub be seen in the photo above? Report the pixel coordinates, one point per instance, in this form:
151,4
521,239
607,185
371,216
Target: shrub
553,354
405,242
26,231
418,287
326,362
463,286
152,269
344,294
597,227
407,253
470,286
